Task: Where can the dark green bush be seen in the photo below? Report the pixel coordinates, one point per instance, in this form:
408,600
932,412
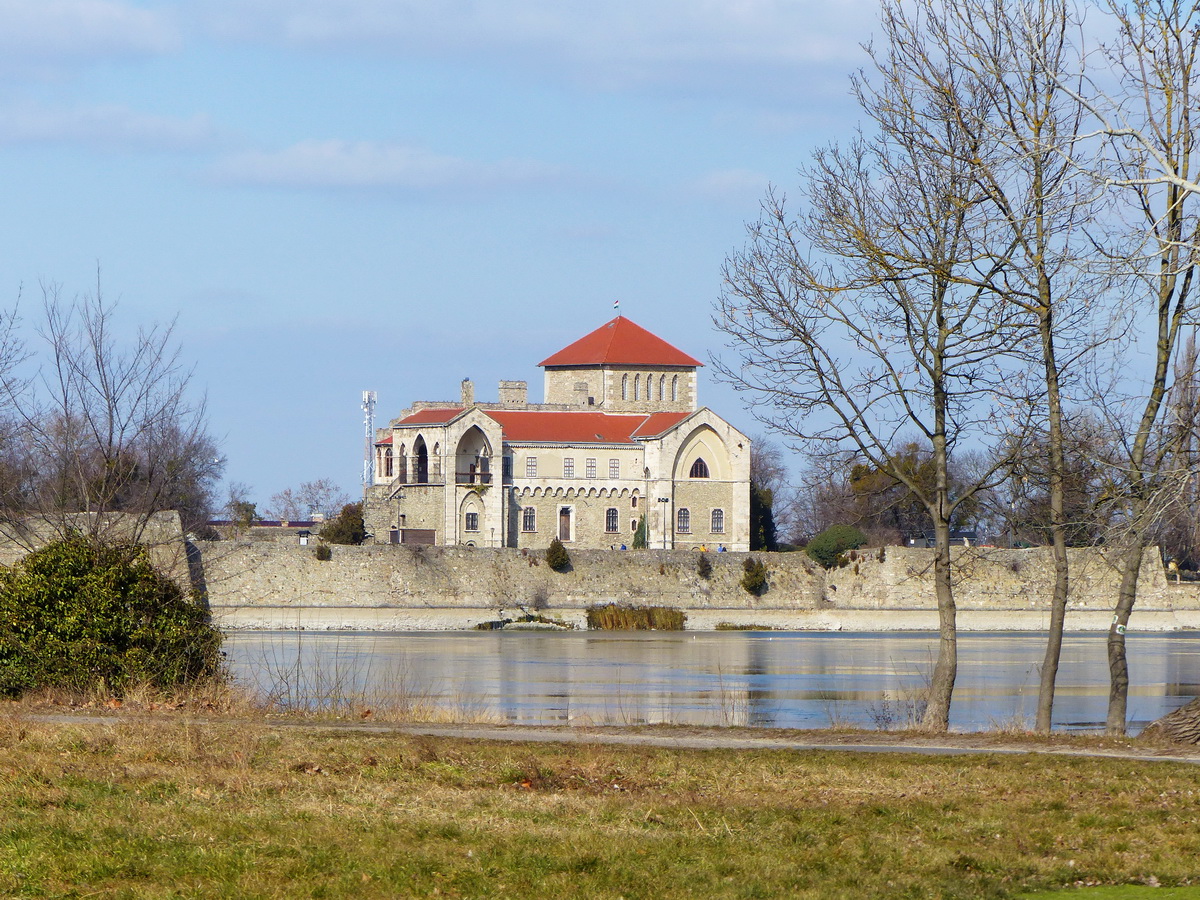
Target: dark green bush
557,557
754,576
619,617
323,553
835,540
639,536
84,615
347,528
704,567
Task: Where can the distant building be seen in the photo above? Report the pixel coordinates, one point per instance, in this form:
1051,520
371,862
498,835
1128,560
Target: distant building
959,537
619,437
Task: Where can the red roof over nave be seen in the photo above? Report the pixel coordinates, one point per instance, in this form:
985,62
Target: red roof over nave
620,342
528,426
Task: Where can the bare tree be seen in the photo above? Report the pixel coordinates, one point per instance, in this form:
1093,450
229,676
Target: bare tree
321,497
862,320
1152,167
109,425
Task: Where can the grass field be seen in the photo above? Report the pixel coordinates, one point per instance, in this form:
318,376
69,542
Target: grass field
164,806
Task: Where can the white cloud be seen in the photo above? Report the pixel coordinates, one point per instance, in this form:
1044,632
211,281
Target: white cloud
613,43
367,164
732,186
105,127
58,32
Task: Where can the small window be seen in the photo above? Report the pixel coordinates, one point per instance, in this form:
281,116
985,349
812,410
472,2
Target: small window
633,524
633,502
683,521
674,388
529,519
531,467
569,467
611,520
662,387
625,386
591,467
637,387
508,466
718,521
614,468
699,469
472,521
388,462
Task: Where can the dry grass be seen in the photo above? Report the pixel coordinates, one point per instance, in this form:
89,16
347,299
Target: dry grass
170,806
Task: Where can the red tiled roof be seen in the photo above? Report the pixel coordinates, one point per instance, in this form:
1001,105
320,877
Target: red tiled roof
657,423
620,342
532,426
580,427
385,441
430,417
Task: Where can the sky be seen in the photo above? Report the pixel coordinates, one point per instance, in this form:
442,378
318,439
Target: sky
332,196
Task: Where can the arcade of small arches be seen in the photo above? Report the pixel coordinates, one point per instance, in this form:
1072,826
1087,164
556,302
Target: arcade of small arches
645,390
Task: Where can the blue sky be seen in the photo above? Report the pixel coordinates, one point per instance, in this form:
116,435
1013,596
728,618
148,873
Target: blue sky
339,195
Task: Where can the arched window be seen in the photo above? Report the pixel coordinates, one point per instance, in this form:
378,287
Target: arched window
718,521
529,519
683,520
699,469
674,388
625,386
662,387
649,385
637,386
611,524
388,462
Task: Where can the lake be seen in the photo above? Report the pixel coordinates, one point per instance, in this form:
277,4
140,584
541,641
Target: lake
757,679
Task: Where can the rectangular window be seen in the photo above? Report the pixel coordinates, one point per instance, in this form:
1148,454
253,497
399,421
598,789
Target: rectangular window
531,467
718,521
529,519
508,467
683,521
611,520
472,521
591,467
569,467
614,468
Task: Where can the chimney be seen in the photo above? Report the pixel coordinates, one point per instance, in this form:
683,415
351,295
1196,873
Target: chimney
468,392
513,394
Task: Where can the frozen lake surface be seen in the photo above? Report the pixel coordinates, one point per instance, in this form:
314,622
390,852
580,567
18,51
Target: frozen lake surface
764,679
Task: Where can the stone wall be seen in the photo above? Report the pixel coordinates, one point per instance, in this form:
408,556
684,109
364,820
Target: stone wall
243,575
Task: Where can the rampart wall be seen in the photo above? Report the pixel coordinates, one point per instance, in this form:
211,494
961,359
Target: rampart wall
270,585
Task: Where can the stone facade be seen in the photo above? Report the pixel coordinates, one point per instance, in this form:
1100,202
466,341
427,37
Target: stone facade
619,438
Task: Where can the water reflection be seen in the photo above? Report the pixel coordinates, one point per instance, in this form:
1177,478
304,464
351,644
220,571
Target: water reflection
760,679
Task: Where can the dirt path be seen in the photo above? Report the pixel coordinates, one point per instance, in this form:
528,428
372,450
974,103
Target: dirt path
681,737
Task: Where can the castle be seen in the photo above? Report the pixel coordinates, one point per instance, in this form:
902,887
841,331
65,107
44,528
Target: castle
619,440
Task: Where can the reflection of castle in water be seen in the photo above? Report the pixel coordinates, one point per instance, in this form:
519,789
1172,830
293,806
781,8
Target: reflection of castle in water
758,679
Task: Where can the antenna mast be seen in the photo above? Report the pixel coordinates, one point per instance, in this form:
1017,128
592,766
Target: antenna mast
368,408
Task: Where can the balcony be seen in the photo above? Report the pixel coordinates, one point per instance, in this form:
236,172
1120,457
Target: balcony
472,477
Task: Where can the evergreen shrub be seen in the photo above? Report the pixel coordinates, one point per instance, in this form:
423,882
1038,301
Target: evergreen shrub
347,528
85,615
830,544
557,557
754,576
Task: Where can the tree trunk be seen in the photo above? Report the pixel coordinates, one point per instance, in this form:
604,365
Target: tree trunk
1118,664
1181,726
941,686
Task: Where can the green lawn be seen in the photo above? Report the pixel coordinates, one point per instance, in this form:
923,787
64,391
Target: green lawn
171,808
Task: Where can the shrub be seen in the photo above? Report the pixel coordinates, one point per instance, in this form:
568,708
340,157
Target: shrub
347,528
704,567
754,576
639,536
85,615
557,557
619,617
835,540
323,553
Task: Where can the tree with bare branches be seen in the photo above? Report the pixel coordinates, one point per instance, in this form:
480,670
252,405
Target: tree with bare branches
863,319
